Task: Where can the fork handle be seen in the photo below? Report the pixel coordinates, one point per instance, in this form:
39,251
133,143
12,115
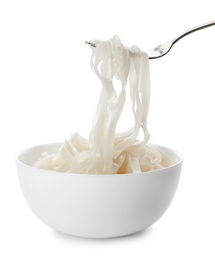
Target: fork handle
194,29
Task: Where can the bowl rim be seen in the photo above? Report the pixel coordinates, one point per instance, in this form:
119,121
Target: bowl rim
158,171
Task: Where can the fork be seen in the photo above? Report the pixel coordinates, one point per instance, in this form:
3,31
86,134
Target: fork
163,49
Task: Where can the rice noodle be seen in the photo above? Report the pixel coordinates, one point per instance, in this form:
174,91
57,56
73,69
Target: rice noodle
106,151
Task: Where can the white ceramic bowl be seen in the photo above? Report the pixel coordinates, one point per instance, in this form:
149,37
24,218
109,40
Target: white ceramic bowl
96,206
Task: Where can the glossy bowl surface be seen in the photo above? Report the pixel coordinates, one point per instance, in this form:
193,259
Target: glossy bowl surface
96,206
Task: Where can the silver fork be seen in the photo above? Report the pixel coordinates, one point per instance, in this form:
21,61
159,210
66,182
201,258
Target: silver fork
163,49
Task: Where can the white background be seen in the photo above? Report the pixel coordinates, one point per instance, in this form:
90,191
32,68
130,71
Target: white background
47,91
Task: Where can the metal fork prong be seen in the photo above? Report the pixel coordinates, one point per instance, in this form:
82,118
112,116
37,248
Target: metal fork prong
91,44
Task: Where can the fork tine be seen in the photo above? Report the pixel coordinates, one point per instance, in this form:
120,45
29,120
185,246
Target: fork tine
91,44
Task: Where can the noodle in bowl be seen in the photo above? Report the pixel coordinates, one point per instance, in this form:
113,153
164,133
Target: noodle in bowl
97,205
